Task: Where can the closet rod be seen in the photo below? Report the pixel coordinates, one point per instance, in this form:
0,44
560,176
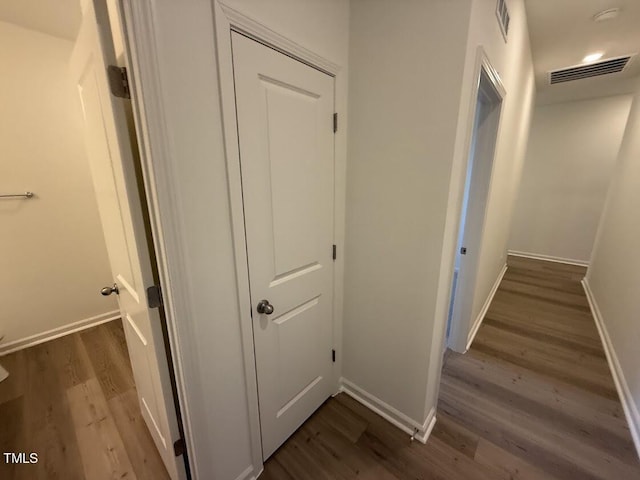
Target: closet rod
19,195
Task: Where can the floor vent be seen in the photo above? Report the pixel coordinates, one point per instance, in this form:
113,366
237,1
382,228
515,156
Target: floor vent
612,65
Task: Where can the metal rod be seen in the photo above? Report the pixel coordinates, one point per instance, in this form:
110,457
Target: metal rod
19,195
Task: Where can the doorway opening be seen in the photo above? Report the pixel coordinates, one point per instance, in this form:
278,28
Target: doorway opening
487,109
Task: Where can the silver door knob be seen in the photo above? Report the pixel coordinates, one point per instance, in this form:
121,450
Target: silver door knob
106,291
264,307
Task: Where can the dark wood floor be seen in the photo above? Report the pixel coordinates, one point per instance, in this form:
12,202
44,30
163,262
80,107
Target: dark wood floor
73,402
532,399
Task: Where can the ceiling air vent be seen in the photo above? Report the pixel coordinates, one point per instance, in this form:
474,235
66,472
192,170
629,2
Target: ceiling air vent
502,13
612,65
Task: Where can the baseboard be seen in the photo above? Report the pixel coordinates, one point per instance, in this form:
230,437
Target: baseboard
549,258
485,308
419,431
58,332
628,405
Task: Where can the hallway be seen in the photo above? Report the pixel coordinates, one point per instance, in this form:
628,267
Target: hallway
533,398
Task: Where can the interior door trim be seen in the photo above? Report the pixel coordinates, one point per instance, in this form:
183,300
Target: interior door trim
227,21
247,26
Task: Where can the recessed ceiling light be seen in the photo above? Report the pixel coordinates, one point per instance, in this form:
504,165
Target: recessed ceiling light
605,15
592,57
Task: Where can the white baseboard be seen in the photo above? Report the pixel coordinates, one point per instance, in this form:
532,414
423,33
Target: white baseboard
485,308
628,404
420,432
549,258
58,332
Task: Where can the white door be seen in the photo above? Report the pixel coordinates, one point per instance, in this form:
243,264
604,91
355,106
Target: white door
112,167
285,127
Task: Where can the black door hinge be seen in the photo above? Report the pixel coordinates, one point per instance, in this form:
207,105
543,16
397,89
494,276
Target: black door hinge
118,81
335,122
154,296
463,250
333,356
334,252
178,447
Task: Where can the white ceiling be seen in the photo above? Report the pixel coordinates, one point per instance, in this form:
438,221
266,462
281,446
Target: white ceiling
563,31
60,18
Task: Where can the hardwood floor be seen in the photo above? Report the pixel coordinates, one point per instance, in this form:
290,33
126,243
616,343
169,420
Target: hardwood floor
73,402
532,399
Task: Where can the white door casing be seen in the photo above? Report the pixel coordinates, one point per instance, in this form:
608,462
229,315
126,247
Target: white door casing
113,172
488,99
284,113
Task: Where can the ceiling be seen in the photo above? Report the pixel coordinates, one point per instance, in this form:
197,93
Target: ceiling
60,18
563,31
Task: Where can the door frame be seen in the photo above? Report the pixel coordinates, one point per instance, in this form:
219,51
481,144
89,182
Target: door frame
228,19
459,339
148,112
140,32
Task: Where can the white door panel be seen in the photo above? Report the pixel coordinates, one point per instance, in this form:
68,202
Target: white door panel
285,112
113,172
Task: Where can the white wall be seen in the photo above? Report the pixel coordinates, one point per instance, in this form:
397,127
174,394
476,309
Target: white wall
404,93
202,256
614,273
54,259
570,159
411,87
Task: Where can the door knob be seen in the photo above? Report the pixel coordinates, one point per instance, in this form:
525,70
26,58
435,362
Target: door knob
264,307
106,291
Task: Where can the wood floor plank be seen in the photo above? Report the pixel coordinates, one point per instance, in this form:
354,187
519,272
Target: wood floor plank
71,360
525,436
117,339
549,269
585,407
344,421
548,338
101,448
12,435
531,303
301,463
136,438
49,429
572,300
14,385
112,370
553,329
36,416
273,470
446,465
543,280
322,434
517,405
576,368
512,467
450,432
